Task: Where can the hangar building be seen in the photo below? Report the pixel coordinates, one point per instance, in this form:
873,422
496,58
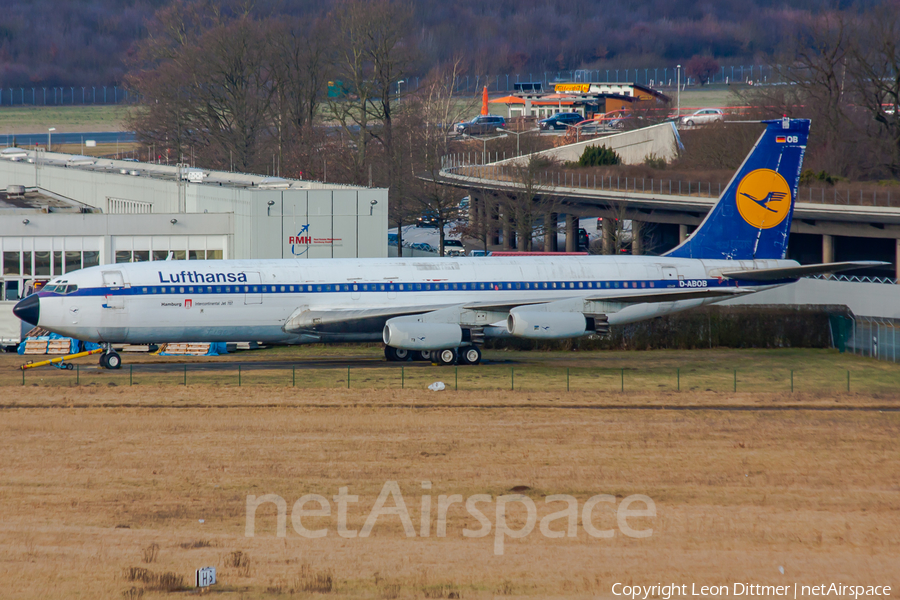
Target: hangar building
62,212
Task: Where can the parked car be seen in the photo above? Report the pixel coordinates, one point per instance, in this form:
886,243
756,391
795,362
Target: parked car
477,253
560,121
428,219
481,125
704,116
454,248
626,121
463,209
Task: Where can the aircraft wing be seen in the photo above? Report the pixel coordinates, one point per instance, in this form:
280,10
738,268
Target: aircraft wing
671,295
346,320
352,320
802,270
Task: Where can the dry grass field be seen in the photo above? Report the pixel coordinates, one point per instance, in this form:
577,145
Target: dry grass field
818,372
115,492
66,119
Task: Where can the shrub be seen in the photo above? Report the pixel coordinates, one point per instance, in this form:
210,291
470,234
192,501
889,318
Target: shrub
809,176
598,156
654,162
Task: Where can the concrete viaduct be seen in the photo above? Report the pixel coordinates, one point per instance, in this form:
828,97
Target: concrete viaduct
865,228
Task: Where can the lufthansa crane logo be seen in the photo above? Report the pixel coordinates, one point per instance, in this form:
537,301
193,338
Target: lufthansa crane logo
763,198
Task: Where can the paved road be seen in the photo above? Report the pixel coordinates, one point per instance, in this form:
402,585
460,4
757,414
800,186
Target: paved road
101,137
340,364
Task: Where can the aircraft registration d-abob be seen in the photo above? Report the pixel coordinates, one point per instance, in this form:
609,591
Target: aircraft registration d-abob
444,308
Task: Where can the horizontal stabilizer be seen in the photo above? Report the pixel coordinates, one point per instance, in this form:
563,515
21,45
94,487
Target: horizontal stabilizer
671,295
802,270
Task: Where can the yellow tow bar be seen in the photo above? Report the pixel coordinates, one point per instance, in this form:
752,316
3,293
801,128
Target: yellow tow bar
59,362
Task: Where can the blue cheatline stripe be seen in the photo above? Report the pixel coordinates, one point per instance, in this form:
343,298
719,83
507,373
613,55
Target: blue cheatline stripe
469,286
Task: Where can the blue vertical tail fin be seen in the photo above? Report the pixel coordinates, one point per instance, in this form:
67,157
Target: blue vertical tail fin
752,219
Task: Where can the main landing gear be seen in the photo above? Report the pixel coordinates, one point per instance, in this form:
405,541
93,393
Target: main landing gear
465,355
110,359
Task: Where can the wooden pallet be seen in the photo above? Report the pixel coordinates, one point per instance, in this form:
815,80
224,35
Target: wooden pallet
57,347
186,349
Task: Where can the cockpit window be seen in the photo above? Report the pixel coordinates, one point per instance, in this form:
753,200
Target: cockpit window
60,288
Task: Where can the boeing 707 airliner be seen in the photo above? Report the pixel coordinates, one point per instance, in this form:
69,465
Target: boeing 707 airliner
444,308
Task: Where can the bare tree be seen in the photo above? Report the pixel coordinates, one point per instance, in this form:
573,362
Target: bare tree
370,56
530,202
875,74
482,220
298,53
443,106
207,86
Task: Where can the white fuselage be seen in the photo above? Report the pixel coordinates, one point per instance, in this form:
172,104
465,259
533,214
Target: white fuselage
252,300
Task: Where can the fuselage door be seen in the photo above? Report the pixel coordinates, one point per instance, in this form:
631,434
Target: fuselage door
252,289
670,275
113,279
115,282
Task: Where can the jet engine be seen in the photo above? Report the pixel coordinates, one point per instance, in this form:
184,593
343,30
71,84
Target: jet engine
546,325
414,335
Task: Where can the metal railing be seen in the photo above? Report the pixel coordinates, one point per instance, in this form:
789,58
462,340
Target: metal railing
67,95
505,82
855,279
488,376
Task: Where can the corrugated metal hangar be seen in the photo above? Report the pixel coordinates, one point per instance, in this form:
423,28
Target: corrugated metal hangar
62,212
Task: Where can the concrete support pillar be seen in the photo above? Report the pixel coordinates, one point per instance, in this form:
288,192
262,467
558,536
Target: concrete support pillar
897,262
609,235
549,232
554,231
682,233
508,232
492,213
637,240
571,233
827,249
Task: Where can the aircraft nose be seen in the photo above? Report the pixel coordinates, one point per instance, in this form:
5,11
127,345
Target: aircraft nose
29,309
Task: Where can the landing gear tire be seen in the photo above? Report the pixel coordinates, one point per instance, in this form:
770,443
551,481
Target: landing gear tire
425,355
112,361
445,357
103,364
470,355
396,354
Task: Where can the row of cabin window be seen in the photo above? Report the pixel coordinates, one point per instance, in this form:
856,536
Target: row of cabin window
381,287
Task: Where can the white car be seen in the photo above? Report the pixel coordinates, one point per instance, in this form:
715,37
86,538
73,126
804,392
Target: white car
704,116
454,248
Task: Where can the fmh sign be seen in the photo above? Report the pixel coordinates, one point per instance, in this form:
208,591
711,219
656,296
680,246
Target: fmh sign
301,242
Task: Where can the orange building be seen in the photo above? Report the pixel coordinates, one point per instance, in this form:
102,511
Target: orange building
587,99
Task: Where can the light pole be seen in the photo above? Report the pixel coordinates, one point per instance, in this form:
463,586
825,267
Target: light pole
484,142
678,89
49,131
517,134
